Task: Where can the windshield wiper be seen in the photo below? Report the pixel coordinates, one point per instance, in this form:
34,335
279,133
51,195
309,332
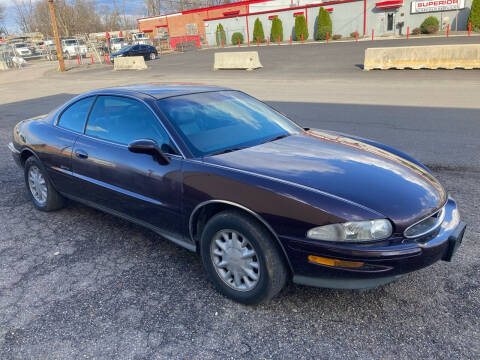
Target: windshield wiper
275,138
224,151
228,150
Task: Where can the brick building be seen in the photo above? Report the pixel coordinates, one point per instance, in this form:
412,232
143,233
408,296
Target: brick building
381,17
191,23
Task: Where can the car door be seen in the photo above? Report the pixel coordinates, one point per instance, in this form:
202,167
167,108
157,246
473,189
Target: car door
58,155
143,51
134,185
135,51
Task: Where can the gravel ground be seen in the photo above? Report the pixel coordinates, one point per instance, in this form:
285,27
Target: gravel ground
78,283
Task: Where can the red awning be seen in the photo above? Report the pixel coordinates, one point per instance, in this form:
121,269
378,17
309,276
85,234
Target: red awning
390,4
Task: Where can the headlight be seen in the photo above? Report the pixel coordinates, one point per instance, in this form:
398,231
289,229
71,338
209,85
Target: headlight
352,231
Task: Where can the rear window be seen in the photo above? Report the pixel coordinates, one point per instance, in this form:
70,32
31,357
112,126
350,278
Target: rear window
74,117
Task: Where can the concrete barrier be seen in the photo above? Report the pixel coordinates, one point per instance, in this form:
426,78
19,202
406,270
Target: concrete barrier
423,57
3,65
247,60
129,63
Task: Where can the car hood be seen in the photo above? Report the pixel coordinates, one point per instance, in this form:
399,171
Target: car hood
119,52
346,168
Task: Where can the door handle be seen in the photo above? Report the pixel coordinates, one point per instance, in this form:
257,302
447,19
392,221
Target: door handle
81,154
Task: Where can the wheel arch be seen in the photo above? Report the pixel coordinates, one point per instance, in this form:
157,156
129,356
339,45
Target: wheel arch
205,210
25,154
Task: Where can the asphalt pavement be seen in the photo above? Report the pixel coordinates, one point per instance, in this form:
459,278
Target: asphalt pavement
78,283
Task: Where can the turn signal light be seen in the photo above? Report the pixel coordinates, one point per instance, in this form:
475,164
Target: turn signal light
335,262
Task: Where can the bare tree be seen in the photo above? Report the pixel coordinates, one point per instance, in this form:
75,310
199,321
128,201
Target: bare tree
73,17
3,29
127,21
154,7
2,13
23,14
181,5
115,16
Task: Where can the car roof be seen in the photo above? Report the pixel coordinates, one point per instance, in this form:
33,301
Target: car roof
160,91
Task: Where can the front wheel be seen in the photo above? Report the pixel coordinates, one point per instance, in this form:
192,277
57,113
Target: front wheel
242,258
152,56
40,189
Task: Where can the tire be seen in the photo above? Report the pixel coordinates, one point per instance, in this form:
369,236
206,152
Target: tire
271,272
53,200
152,56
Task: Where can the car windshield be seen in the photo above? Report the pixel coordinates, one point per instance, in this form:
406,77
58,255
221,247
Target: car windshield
70,42
127,48
20,45
117,40
221,121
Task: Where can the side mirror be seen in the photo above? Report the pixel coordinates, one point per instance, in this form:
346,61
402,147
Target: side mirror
150,147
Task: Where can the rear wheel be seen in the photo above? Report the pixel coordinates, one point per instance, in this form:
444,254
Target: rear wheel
152,56
40,189
242,258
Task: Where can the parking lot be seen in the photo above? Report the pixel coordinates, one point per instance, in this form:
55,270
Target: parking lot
78,283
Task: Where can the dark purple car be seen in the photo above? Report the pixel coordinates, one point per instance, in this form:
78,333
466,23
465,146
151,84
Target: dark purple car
261,199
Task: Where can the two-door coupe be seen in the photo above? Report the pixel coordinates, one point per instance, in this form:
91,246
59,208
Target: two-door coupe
261,199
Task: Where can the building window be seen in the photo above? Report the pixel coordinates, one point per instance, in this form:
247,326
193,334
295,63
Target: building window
192,29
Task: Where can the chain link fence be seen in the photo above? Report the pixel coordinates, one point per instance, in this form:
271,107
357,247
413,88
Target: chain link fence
5,57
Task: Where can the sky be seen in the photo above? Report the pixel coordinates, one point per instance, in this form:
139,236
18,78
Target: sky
133,7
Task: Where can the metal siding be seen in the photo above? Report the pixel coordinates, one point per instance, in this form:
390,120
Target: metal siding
346,18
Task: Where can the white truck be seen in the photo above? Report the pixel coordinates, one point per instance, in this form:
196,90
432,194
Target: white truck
117,43
21,49
72,47
140,38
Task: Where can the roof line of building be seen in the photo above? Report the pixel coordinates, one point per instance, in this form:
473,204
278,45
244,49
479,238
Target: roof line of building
323,4
208,8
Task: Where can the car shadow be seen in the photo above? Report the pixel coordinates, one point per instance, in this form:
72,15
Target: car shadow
14,112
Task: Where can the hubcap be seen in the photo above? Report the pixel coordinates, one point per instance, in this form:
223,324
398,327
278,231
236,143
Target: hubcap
37,184
235,260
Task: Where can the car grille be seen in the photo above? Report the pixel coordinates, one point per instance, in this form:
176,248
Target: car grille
425,226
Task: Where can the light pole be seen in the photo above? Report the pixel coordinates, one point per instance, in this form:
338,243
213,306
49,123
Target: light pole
58,45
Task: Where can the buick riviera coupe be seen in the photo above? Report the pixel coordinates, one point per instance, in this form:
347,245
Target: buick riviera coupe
262,200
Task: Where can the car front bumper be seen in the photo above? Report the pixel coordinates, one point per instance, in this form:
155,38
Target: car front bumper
382,263
15,154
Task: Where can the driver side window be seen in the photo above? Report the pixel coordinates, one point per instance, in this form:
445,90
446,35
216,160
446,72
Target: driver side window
123,120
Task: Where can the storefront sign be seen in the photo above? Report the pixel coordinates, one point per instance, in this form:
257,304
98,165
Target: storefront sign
436,5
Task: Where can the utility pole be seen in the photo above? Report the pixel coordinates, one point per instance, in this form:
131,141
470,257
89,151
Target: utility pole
58,45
